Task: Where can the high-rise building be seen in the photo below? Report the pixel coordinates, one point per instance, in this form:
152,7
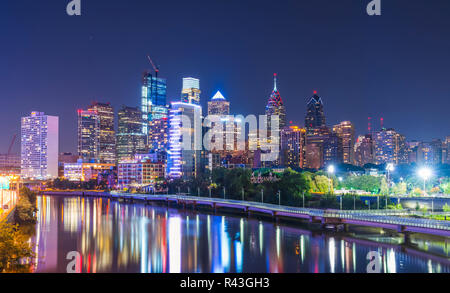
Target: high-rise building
39,146
323,147
158,136
364,150
218,105
275,106
293,149
190,93
88,135
315,117
390,147
430,153
130,138
185,140
107,134
346,131
154,96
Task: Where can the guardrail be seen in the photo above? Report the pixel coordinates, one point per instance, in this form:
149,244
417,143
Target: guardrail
378,216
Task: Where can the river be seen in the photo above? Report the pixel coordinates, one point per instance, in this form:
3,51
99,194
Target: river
136,238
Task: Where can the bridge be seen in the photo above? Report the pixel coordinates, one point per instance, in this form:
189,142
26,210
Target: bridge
396,220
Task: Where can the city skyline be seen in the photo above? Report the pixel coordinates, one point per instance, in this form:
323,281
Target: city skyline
342,71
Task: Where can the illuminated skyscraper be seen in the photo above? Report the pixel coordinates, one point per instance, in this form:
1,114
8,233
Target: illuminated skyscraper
185,140
88,135
323,147
158,136
153,103
293,149
130,139
315,116
107,134
390,147
275,106
364,150
218,105
190,93
346,131
446,152
39,146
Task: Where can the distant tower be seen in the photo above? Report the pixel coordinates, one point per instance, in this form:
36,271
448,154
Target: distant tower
275,106
39,146
315,117
154,94
191,91
218,105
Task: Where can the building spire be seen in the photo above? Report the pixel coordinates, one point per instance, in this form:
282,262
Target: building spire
274,82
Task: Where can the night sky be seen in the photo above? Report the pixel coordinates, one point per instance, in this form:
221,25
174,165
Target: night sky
395,66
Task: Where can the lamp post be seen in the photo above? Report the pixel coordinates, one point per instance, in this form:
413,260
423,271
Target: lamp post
425,173
279,198
331,171
389,168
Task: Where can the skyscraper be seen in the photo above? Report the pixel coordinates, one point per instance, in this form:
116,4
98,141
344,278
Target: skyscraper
218,105
107,134
190,93
185,140
293,140
158,136
364,150
153,103
323,147
390,147
315,116
130,138
39,146
275,106
346,131
88,135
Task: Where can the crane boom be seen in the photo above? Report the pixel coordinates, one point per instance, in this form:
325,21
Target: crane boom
153,64
11,145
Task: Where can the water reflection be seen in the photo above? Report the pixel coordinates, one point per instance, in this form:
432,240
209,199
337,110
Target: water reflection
115,237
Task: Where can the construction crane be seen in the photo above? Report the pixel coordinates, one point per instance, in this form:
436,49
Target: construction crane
153,65
10,146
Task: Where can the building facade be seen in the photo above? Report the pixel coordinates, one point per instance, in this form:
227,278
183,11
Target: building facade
88,135
315,117
107,134
293,147
139,173
130,137
190,93
154,99
80,171
39,146
390,147
364,150
346,131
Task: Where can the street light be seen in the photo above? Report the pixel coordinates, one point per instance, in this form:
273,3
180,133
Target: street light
425,173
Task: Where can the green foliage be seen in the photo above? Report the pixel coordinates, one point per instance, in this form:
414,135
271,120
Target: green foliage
446,208
365,182
399,188
26,207
14,247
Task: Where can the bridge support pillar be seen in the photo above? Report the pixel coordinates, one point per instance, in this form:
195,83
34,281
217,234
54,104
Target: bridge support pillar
407,237
346,228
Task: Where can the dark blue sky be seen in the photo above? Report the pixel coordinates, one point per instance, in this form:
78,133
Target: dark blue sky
395,66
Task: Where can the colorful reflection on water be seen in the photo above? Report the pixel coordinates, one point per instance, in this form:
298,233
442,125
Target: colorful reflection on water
117,237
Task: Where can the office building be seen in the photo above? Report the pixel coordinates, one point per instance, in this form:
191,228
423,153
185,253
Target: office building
39,146
107,134
88,135
346,131
130,137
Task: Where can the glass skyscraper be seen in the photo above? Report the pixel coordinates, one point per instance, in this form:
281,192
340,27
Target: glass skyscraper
154,96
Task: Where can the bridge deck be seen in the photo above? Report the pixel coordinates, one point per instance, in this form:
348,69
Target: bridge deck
389,219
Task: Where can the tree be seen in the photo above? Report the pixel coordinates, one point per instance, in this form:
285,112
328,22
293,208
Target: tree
13,248
384,189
